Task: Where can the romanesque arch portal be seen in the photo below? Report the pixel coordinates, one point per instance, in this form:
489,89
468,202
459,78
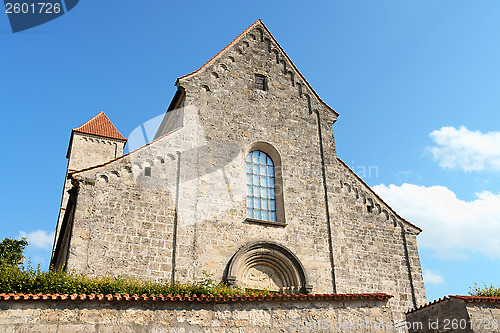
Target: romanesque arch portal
267,265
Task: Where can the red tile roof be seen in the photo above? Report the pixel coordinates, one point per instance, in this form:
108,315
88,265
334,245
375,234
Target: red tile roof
100,125
469,299
477,298
193,298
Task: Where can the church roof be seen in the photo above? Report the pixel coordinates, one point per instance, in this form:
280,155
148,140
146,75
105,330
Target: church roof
256,23
100,125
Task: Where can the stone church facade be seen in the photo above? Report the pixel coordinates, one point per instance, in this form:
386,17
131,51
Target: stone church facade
242,181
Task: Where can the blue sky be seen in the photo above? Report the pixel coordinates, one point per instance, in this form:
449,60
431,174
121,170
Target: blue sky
416,84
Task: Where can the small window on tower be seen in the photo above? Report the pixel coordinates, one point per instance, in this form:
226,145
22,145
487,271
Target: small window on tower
147,171
260,82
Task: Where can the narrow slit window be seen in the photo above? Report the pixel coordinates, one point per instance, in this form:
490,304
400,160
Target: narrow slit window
147,171
261,197
260,82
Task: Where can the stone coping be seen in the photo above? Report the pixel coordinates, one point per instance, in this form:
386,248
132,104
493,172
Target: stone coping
468,299
195,298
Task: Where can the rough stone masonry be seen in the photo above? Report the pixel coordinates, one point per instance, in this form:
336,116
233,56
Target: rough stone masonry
90,314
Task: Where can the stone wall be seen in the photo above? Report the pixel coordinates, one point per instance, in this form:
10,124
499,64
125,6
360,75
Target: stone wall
123,223
457,314
61,316
484,316
387,254
87,150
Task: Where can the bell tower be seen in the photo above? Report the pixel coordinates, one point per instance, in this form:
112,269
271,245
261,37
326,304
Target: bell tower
93,143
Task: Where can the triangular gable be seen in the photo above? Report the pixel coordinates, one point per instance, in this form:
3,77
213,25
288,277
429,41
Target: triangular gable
259,23
100,125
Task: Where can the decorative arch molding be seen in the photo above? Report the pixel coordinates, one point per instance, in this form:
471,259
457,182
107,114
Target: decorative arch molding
267,148
267,265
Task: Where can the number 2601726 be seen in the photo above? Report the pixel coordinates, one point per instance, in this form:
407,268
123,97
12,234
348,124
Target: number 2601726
32,8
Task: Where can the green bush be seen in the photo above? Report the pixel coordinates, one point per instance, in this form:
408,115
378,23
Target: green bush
27,280
488,291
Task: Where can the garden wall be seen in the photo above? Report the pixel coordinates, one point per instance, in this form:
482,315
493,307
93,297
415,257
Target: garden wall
287,313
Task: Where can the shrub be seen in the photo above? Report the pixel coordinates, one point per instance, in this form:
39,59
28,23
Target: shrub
486,290
29,280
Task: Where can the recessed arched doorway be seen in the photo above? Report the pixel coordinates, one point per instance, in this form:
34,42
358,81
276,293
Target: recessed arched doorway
267,265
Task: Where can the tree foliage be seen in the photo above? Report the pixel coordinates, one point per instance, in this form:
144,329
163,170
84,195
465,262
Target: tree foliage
488,291
11,251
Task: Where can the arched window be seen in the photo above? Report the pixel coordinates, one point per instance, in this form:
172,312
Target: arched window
261,194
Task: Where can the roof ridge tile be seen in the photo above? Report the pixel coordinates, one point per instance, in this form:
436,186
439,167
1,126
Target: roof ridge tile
202,298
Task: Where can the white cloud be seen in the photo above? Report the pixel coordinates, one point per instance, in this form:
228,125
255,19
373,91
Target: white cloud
432,278
452,227
465,149
39,238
